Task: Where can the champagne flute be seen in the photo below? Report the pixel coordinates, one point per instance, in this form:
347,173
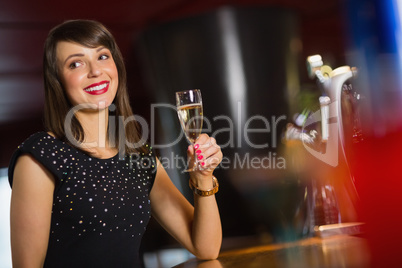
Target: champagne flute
189,110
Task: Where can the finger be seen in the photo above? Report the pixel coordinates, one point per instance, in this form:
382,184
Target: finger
202,139
207,153
211,150
206,142
210,164
207,149
213,161
190,150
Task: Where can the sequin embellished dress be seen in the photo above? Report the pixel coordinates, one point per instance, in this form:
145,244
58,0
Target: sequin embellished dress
101,207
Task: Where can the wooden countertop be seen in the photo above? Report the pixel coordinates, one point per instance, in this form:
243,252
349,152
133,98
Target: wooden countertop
335,252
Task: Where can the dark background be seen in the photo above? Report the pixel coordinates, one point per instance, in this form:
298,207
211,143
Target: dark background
25,24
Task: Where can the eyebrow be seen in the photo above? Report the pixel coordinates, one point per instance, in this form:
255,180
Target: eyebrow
81,54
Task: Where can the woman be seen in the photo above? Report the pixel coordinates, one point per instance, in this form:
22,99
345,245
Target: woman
82,196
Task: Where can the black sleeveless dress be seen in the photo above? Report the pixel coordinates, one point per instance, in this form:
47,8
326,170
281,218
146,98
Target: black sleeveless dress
101,207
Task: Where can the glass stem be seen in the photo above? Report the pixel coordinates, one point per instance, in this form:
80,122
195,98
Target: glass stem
196,163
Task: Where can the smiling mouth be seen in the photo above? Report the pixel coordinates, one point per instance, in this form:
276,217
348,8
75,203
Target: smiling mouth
96,89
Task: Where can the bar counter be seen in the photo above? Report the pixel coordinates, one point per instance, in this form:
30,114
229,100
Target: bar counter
337,252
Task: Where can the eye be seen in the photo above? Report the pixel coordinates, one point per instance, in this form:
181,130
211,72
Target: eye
74,65
103,57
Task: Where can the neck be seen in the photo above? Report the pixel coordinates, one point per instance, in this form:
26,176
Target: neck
95,126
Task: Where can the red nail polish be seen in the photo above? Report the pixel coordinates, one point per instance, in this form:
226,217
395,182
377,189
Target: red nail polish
200,157
196,146
198,152
202,163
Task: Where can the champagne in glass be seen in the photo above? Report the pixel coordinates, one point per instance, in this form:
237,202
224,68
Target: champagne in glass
189,110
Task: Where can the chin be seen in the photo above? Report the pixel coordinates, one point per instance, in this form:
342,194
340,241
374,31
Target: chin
103,104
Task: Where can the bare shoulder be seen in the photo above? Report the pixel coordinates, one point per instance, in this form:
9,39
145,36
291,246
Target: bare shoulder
29,171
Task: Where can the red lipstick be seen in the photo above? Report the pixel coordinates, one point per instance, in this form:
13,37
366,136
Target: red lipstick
97,88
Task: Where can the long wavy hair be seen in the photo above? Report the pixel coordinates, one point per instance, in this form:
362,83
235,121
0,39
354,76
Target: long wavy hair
90,34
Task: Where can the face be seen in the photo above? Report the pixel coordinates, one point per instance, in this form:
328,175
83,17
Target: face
89,75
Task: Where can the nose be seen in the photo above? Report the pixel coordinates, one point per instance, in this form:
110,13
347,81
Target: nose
94,70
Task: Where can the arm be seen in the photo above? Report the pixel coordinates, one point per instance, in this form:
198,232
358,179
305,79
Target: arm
197,228
31,207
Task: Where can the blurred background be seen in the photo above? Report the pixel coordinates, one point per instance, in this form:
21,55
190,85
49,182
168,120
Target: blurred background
248,57
189,32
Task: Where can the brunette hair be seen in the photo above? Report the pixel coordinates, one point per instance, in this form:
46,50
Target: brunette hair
89,34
